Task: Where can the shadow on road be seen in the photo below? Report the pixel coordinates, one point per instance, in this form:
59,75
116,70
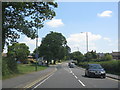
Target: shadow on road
91,77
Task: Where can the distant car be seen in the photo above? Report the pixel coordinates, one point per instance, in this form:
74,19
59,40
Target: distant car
71,65
93,70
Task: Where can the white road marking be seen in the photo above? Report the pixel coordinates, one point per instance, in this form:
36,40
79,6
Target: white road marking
42,82
81,83
76,77
70,70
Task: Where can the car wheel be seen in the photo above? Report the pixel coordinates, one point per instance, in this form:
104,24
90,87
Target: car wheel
103,77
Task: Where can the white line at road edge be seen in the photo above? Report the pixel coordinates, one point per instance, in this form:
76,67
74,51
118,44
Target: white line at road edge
81,83
42,82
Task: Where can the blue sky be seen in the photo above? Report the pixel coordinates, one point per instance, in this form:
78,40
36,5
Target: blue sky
99,19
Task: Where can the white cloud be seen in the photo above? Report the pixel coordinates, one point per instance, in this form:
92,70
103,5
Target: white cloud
105,14
31,43
95,42
55,23
78,41
107,39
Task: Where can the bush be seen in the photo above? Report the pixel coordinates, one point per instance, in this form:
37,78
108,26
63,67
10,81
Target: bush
5,70
109,66
12,65
9,66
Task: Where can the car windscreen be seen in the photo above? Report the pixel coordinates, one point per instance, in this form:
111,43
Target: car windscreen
95,67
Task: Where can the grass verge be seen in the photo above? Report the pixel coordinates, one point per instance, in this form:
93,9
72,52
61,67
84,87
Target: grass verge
24,69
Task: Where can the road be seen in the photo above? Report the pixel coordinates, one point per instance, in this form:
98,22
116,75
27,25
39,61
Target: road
66,77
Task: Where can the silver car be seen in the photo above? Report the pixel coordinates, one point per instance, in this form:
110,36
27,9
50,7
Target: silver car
95,70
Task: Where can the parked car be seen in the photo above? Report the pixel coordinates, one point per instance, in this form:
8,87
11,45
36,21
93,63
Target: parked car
93,70
71,65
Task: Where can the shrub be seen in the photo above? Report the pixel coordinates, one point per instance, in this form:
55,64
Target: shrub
9,66
109,66
5,70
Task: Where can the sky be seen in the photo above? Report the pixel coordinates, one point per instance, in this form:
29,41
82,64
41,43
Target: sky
99,20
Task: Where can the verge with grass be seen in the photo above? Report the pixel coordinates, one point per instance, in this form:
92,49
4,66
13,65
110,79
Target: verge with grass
24,69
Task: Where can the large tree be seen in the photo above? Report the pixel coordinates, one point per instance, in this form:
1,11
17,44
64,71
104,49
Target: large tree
77,56
24,18
53,46
18,51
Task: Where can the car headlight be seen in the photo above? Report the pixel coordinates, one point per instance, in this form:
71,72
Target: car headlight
102,71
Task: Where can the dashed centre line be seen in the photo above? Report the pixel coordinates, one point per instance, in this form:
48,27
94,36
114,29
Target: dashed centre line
77,78
81,83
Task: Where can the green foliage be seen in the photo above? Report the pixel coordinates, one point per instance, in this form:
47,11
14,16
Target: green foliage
107,57
18,51
90,56
27,68
53,47
15,19
23,69
9,66
77,56
5,70
110,66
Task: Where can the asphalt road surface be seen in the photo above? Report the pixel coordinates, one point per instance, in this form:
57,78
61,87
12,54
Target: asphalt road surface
66,77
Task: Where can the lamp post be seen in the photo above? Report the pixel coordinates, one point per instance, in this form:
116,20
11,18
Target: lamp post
36,55
86,40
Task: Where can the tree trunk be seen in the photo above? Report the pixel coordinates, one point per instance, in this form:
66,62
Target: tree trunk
54,62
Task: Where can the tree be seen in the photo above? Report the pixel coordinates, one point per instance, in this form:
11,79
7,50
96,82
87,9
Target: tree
88,56
67,50
24,18
77,56
18,51
53,47
107,57
94,55
91,56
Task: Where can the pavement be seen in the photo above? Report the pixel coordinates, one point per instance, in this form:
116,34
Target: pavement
113,76
60,76
27,80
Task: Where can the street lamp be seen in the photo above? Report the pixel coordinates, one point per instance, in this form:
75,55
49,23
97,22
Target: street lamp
36,55
86,40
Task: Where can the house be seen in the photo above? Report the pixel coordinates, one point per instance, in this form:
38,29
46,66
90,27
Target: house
100,54
30,58
116,55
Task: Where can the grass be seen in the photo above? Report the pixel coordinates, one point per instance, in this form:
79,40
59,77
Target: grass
24,69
